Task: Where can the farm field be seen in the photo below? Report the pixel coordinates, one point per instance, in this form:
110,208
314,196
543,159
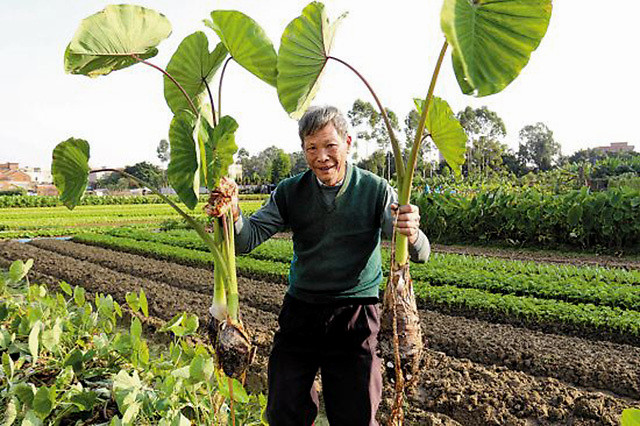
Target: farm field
546,344
58,221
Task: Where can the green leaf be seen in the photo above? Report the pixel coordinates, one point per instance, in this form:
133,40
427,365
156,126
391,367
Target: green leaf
25,393
239,394
79,296
131,413
136,329
191,65
492,40
183,165
10,412
446,132
66,288
574,214
70,170
630,417
191,324
180,420
247,43
19,269
105,42
74,359
133,301
220,145
144,305
31,419
303,54
44,401
33,341
7,366
85,401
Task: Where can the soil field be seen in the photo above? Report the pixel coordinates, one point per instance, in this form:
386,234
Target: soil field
475,373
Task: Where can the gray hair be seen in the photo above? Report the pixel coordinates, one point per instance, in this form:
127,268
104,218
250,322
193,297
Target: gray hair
316,117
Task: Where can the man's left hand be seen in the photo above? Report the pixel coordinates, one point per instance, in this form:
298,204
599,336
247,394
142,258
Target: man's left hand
408,222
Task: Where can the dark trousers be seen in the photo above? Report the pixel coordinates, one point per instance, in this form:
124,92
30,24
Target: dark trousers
340,341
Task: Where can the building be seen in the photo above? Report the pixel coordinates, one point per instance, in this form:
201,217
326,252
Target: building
616,147
38,175
12,178
235,172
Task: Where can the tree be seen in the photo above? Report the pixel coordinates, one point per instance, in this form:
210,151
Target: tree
375,163
298,162
369,125
163,150
485,130
280,167
146,172
538,147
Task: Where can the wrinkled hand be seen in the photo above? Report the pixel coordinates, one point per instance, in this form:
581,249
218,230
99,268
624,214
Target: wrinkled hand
408,222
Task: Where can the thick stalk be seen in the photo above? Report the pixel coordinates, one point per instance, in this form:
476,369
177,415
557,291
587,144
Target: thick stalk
397,154
229,249
404,194
224,68
173,80
219,293
208,240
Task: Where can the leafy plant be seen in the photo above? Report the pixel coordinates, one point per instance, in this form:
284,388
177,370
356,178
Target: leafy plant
202,140
66,360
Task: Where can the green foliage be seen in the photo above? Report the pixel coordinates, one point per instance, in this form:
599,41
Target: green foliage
538,147
247,43
82,364
147,172
583,219
70,170
492,40
630,417
304,50
183,163
192,66
106,41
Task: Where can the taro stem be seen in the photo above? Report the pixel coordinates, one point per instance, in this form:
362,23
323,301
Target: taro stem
404,195
230,254
219,306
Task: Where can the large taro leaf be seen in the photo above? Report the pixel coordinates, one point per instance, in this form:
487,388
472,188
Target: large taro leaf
220,144
70,170
182,171
303,54
492,40
191,65
446,132
105,41
247,43
630,417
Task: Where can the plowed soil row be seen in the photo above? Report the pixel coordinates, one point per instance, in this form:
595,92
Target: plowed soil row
471,392
599,365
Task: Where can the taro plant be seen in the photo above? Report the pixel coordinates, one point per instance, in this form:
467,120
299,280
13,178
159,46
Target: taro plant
201,139
491,42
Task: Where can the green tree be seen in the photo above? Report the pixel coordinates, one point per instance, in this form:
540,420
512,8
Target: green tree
485,130
368,125
538,147
280,167
146,172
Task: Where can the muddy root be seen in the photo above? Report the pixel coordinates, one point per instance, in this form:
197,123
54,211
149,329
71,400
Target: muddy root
233,348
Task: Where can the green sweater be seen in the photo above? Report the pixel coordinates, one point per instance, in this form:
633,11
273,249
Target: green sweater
336,245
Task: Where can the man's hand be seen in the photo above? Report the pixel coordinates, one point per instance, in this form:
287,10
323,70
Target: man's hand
408,220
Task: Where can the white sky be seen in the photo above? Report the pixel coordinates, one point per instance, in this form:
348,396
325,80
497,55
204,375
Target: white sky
581,82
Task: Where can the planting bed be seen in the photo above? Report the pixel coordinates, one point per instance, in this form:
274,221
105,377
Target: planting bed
476,372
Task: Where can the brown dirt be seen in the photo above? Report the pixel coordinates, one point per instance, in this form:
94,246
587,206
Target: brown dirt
477,373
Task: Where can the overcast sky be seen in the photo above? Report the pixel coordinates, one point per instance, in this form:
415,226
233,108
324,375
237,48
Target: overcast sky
581,82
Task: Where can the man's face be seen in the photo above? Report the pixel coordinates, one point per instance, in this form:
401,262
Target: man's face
326,154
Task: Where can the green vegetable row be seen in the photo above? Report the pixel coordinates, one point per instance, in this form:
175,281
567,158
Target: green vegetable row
578,218
22,201
623,325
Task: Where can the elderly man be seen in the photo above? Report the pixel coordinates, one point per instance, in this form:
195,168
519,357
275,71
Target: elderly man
329,319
